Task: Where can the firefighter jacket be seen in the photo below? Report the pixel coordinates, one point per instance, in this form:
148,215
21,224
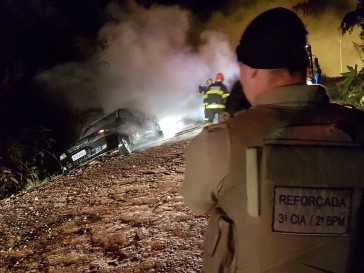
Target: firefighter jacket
215,96
282,184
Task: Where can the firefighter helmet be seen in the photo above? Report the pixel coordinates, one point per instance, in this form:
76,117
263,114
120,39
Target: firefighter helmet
219,77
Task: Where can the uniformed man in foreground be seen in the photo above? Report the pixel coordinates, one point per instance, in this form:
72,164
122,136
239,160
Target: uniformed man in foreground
282,181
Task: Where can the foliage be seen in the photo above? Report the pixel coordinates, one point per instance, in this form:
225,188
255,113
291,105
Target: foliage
40,34
8,182
352,87
317,7
353,19
28,161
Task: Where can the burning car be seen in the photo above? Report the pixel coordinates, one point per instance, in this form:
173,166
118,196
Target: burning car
125,129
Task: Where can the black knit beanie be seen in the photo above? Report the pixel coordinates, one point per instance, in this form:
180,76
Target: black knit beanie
274,39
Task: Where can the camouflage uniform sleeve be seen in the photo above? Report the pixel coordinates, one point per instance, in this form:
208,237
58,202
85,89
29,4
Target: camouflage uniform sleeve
207,164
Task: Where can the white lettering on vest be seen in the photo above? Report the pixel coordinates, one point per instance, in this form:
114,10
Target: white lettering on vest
312,201
309,210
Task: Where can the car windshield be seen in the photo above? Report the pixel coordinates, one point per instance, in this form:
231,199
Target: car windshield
131,115
99,124
124,114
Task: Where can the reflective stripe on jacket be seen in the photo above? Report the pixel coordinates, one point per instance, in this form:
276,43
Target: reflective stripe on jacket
215,106
216,95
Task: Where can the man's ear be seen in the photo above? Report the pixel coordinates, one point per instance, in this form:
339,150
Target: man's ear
250,72
253,72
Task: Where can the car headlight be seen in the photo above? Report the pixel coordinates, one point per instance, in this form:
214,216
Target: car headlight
102,131
63,156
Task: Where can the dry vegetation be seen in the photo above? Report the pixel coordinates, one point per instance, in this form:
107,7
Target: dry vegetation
118,214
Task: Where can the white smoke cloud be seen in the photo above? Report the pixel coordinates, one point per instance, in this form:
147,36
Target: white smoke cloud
148,64
219,55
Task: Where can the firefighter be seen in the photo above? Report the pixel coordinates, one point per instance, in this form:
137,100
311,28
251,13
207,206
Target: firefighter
215,99
317,73
280,182
310,77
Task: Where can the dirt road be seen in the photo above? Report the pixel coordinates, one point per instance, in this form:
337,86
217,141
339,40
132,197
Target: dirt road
118,214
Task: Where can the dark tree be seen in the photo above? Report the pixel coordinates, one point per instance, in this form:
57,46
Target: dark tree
308,8
38,35
317,7
353,19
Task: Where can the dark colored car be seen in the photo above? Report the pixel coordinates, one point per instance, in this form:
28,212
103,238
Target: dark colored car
125,129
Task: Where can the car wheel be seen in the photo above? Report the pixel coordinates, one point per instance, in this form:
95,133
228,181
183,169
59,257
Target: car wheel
123,145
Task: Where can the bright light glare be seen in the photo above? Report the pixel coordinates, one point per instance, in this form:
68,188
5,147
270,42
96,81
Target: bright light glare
170,126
